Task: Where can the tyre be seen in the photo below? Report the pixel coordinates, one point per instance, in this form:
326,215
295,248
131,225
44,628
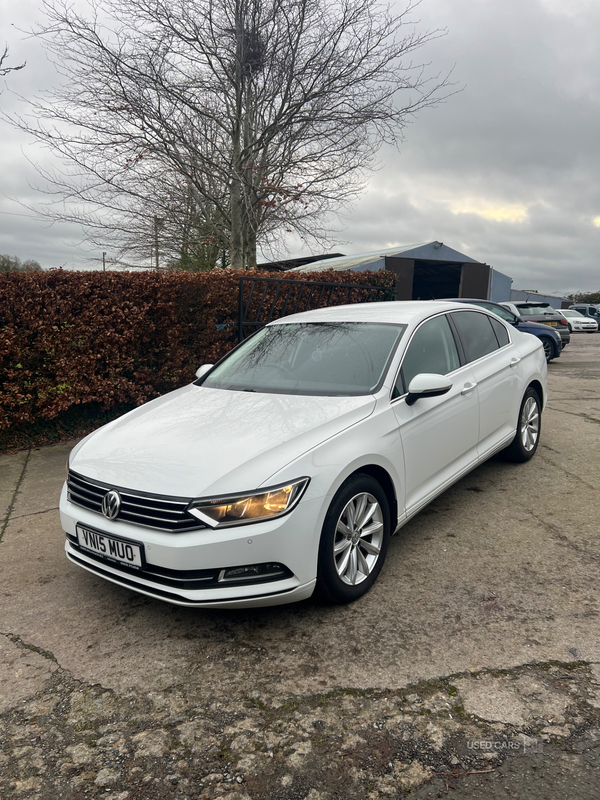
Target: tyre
354,540
548,348
529,426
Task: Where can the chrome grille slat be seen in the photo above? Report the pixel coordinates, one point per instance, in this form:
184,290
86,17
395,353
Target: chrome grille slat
150,511
149,500
78,494
127,504
83,495
83,491
124,513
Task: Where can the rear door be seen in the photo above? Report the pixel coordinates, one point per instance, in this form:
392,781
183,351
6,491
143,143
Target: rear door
494,361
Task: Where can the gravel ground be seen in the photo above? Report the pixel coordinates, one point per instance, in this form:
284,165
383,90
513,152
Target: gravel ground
491,733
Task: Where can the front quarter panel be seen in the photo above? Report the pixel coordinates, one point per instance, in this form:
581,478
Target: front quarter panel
374,442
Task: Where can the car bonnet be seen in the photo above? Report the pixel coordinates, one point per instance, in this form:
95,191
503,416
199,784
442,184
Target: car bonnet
198,442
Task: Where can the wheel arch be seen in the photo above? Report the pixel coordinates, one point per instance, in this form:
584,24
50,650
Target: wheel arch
384,479
539,390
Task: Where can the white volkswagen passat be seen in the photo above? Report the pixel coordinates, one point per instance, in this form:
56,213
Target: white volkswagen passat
288,465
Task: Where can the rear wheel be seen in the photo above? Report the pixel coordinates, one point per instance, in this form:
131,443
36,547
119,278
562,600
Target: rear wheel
527,437
354,541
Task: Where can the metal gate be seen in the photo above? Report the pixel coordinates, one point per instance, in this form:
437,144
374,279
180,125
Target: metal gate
282,296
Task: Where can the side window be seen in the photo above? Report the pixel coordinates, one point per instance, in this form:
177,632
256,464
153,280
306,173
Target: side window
500,331
476,333
432,349
500,311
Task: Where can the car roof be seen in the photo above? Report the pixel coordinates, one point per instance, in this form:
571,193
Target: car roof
532,303
392,311
474,300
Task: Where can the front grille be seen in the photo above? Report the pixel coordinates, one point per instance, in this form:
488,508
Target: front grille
138,508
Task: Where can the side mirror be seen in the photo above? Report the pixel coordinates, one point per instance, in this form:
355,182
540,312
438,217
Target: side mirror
203,370
427,384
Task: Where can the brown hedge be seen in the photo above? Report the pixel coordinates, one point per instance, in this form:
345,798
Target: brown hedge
109,338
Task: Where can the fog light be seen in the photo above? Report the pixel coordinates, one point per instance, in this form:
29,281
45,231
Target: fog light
254,573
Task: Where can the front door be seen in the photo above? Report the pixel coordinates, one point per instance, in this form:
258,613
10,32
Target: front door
439,434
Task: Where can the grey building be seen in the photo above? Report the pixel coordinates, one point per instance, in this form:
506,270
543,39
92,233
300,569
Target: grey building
425,272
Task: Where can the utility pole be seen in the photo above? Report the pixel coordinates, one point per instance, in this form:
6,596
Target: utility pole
157,222
104,262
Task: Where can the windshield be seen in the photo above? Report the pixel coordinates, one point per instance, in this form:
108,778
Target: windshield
570,312
334,358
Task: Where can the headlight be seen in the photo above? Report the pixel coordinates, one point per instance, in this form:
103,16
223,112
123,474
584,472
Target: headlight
239,509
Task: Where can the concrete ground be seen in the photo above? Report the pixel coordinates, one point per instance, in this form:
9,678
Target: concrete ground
471,668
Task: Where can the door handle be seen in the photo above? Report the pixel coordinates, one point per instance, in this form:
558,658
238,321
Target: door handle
514,362
468,387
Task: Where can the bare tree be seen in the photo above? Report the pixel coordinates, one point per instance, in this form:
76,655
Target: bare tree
258,115
5,70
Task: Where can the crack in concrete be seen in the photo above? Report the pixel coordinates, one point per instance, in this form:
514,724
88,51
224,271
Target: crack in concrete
14,497
563,538
36,513
573,414
18,641
566,471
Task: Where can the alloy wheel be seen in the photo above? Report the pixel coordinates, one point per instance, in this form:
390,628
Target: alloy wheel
530,423
548,349
358,538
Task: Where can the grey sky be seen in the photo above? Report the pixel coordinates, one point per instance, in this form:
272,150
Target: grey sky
507,170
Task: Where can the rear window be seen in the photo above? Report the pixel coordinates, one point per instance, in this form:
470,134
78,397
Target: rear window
546,308
476,333
500,331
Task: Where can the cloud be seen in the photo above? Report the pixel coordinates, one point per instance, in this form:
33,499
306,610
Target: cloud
506,170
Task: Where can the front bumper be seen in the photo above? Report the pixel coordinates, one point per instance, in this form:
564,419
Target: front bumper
176,565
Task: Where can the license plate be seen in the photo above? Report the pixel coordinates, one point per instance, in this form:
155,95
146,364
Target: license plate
110,547
554,324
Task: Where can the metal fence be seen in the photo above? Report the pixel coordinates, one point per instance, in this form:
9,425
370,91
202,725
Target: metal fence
282,296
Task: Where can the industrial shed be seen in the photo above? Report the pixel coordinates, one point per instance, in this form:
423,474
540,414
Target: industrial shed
426,271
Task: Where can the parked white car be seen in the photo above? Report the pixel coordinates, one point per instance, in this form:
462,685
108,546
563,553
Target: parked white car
578,323
288,465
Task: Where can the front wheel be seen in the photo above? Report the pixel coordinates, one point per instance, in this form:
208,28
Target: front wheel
527,437
354,541
548,348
